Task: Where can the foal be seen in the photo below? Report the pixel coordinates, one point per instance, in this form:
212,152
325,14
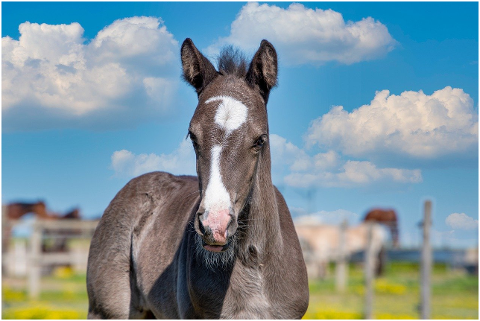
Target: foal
222,245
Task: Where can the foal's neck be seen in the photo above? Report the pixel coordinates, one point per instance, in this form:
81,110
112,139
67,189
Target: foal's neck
263,217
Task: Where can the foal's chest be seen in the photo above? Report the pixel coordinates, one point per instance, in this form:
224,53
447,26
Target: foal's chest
246,297
237,295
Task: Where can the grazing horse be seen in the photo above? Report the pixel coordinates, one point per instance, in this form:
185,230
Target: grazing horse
16,210
321,244
385,217
73,214
220,245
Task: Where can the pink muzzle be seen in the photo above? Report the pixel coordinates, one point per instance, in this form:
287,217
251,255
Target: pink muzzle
216,223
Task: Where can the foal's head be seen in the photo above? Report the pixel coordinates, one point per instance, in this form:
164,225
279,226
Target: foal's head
229,131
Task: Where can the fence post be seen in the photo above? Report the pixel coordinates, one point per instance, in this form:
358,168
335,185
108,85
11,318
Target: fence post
426,262
34,272
369,265
5,238
341,266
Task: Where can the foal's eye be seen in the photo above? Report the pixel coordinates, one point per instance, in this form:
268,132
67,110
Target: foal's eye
195,144
259,142
193,138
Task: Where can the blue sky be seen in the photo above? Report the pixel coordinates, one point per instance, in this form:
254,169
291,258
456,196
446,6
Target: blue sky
377,103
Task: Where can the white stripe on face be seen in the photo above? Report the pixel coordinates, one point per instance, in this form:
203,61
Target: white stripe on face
216,195
231,113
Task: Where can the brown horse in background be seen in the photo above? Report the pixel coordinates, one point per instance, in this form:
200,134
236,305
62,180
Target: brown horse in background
73,214
389,218
386,217
16,210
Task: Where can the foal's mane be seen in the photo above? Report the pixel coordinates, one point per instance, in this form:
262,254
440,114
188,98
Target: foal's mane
232,61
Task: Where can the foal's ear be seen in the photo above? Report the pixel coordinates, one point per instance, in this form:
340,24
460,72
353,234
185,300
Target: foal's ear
198,71
263,69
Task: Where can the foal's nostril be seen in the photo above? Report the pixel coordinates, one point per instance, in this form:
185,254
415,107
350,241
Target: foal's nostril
215,227
201,228
197,223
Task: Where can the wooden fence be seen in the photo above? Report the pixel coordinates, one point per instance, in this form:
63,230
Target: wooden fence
426,262
371,256
425,268
75,229
37,258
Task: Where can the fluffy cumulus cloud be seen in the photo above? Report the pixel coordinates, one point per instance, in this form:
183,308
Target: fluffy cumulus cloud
329,170
411,124
353,174
52,76
180,161
461,221
305,35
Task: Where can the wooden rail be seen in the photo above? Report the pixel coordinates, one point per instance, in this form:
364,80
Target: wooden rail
71,229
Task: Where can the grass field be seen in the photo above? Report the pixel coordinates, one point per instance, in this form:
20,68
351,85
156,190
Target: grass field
454,296
397,295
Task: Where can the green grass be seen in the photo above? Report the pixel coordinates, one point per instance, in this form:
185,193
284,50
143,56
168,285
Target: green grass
63,296
397,293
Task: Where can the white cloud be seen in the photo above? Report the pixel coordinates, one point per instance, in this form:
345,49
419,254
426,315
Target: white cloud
353,174
454,239
305,35
284,152
461,221
328,170
51,74
328,160
326,217
179,162
412,124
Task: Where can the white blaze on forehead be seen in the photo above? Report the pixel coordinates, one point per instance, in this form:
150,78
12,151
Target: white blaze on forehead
231,113
216,195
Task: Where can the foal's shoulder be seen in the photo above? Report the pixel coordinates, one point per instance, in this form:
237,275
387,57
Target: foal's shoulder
152,188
